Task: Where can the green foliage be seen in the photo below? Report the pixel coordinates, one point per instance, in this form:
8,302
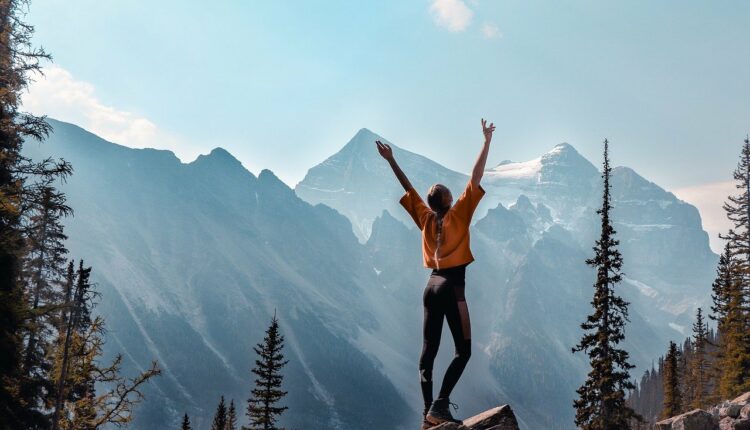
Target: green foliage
22,389
231,417
698,372
671,381
263,409
186,423
79,371
220,417
601,404
731,304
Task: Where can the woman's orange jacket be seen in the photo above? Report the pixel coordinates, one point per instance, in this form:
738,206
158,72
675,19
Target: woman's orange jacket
454,249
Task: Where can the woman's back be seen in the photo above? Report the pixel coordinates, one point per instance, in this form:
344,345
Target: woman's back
454,248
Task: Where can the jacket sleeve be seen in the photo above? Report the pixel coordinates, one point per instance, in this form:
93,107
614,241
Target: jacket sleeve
468,201
413,203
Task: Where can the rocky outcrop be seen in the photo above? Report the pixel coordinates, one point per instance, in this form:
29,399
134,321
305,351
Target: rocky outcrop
499,418
729,415
696,419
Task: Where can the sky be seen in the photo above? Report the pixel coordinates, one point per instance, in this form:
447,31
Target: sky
285,84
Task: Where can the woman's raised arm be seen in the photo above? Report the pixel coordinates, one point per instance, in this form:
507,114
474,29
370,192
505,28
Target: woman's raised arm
386,152
476,174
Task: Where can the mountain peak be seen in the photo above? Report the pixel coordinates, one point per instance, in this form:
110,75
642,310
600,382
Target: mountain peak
562,149
363,140
218,156
221,152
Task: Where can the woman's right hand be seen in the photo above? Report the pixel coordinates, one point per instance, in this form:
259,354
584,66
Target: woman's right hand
384,150
487,130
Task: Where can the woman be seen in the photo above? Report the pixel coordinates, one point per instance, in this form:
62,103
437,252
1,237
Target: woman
445,249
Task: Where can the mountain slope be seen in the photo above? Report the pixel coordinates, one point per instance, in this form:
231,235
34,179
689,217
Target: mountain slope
192,259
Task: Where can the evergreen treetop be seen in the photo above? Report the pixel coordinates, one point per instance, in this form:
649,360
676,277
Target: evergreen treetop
263,406
220,417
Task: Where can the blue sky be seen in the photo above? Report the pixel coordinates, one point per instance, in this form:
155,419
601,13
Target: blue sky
284,84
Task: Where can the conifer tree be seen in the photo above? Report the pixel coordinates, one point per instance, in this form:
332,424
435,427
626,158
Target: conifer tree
231,416
697,381
737,209
186,423
722,287
601,404
75,322
78,404
263,409
220,417
731,300
672,390
18,60
44,273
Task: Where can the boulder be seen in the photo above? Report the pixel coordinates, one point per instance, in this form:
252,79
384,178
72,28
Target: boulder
696,419
732,410
742,400
729,423
745,412
499,418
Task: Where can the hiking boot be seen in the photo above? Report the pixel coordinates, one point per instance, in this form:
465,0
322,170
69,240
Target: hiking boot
426,424
440,412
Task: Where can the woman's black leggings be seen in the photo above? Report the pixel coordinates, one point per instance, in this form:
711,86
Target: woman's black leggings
444,297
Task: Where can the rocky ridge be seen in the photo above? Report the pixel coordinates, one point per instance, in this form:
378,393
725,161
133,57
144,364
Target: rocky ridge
499,418
728,415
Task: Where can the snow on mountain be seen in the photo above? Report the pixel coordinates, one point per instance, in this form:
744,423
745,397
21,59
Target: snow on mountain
528,170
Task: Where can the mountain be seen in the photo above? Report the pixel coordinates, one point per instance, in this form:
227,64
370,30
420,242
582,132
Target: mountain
192,259
529,288
356,182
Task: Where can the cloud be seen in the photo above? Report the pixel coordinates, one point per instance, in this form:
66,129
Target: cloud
453,15
59,95
491,31
709,199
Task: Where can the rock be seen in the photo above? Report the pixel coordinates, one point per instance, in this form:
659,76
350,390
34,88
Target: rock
742,400
696,419
499,418
732,410
729,423
745,412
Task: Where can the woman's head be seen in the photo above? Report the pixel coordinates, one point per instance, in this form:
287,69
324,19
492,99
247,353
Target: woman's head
439,198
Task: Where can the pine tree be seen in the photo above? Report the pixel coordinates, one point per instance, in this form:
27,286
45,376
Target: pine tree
220,417
671,381
74,323
18,59
737,209
44,273
731,300
231,417
263,409
698,372
731,367
186,423
601,404
722,287
79,370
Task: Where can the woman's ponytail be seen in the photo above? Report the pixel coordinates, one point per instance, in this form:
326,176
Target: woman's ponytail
439,235
435,200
